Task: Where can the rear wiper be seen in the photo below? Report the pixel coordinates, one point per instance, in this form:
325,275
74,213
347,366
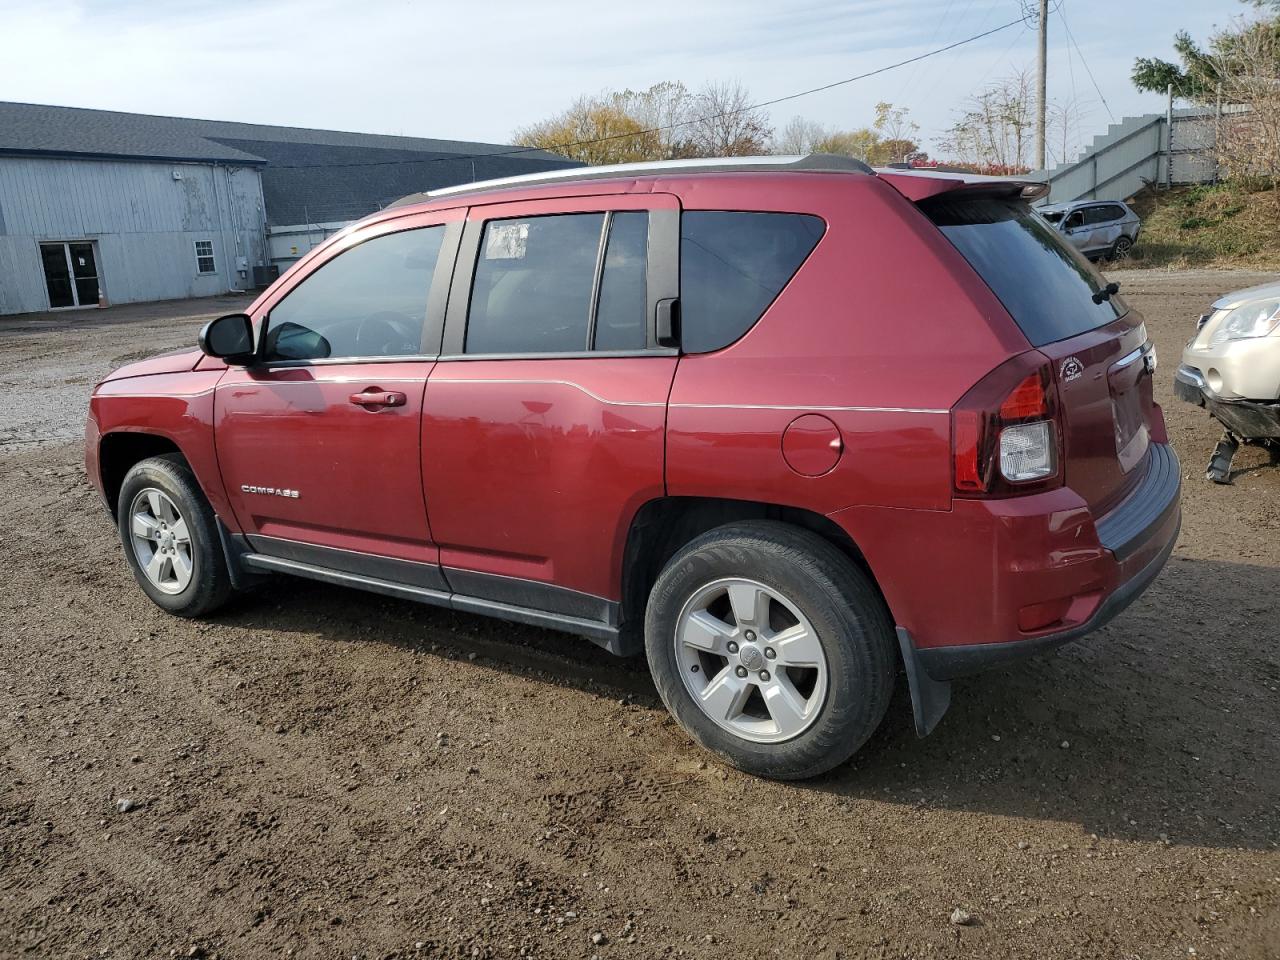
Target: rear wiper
1106,292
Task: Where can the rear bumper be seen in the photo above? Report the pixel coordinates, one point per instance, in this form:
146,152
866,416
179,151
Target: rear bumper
1245,418
948,663
990,582
1138,535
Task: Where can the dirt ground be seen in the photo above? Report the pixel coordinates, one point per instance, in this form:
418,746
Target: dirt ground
317,772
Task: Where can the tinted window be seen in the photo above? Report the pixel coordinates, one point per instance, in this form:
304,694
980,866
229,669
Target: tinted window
369,301
732,266
621,310
1045,285
1102,214
533,284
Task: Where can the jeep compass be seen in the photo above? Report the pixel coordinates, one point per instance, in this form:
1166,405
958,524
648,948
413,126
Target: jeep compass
788,426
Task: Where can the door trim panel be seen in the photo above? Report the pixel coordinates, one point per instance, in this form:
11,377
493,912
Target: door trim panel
390,569
604,634
516,591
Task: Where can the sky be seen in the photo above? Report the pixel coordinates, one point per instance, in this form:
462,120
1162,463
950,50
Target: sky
478,70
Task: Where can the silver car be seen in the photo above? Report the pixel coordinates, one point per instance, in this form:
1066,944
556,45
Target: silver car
1232,368
1097,228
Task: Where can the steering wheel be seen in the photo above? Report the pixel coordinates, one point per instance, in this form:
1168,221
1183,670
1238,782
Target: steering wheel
385,334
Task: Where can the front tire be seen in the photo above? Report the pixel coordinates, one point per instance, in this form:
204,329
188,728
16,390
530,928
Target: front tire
771,649
170,537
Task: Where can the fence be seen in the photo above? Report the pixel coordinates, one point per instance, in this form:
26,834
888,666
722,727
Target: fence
1137,152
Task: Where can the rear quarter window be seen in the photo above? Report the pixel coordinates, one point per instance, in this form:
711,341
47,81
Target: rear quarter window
732,266
1045,285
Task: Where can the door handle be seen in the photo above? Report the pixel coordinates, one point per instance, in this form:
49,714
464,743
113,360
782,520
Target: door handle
378,398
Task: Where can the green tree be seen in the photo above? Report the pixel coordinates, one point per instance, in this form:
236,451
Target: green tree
1230,53
1196,77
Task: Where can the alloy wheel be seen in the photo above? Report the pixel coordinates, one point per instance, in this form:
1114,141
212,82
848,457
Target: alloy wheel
160,540
751,661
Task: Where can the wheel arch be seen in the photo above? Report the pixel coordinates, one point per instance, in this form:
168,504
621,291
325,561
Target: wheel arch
119,450
662,526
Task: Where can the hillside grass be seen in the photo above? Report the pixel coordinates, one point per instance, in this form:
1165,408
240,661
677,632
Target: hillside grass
1216,226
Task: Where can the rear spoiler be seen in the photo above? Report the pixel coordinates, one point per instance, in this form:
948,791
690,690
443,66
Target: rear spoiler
917,185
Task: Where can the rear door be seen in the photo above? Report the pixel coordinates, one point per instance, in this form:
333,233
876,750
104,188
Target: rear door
544,419
1105,223
1098,345
318,443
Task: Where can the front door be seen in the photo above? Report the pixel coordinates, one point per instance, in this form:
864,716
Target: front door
318,442
544,419
70,274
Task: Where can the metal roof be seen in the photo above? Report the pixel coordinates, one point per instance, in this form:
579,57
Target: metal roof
308,175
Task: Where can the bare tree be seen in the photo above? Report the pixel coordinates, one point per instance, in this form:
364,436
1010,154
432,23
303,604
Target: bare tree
726,125
1064,121
663,108
799,136
1246,59
994,129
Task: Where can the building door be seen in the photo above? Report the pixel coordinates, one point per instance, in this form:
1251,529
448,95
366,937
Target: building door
70,274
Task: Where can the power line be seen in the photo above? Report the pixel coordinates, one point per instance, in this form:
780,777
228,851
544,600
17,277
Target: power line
1085,63
669,126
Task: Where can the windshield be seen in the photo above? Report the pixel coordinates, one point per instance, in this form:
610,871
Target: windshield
1053,216
1045,285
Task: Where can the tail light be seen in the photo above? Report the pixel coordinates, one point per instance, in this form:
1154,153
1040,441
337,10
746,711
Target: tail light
1006,436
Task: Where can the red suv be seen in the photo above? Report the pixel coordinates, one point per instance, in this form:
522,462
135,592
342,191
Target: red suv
786,425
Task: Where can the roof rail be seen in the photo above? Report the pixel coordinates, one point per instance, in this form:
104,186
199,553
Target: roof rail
823,162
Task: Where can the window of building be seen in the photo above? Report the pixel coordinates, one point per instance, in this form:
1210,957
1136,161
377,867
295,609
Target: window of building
541,285
369,301
204,257
732,266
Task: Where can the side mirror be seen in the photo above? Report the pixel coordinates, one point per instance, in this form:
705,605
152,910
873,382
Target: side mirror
229,338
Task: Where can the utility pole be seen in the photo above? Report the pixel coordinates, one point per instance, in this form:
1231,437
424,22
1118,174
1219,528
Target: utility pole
1042,83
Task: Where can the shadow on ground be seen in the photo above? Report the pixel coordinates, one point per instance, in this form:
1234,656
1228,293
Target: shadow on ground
1161,726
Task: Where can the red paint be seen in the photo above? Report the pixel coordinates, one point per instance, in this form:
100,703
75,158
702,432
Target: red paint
357,469
839,401
534,468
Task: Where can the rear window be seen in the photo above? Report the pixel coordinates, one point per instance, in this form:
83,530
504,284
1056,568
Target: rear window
1045,285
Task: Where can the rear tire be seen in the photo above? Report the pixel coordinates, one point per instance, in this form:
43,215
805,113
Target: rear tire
725,633
1121,249
170,537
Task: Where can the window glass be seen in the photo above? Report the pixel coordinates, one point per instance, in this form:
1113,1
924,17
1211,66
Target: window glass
369,301
1046,286
1101,214
732,266
204,256
622,308
533,283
